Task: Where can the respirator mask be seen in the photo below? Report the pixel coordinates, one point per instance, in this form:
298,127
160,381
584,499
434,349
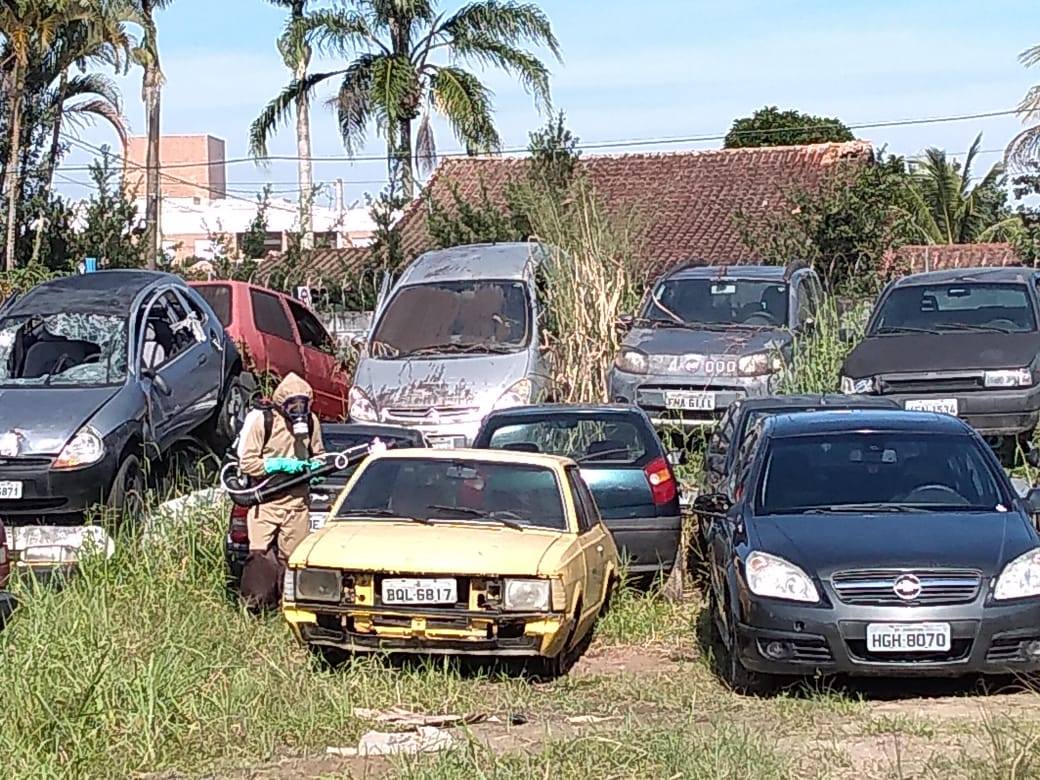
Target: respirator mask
297,411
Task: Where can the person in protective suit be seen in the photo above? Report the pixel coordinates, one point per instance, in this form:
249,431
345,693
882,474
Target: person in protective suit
285,442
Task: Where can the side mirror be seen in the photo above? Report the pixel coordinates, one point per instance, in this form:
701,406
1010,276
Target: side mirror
1033,501
712,504
623,324
157,381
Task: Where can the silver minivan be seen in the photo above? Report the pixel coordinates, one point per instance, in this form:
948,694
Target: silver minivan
456,337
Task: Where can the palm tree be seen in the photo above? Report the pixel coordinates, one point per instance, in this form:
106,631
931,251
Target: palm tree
393,80
1025,146
944,207
296,53
147,56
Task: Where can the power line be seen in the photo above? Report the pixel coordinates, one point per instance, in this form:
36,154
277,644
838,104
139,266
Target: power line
615,144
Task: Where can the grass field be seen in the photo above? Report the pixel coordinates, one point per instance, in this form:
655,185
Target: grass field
142,666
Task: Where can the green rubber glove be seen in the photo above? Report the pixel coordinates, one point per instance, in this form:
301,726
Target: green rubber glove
285,466
317,481
315,463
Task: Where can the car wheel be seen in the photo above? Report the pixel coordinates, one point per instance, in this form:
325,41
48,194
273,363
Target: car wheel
126,498
234,405
728,665
561,663
331,658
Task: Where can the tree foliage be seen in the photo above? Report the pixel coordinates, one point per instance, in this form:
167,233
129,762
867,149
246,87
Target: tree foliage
110,221
770,126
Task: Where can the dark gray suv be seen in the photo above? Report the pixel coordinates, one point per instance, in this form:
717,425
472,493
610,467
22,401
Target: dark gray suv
710,335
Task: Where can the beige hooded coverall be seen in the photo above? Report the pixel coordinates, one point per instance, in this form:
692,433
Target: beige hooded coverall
286,519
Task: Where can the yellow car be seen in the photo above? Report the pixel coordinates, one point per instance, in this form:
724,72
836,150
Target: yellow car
481,552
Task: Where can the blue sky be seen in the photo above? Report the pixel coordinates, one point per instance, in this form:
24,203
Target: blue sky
650,69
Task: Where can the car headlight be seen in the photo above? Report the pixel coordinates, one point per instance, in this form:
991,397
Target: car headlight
632,360
759,363
289,585
526,595
850,386
769,575
519,394
1020,578
1015,377
83,449
319,585
360,406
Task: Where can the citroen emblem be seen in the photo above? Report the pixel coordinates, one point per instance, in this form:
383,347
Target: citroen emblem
907,587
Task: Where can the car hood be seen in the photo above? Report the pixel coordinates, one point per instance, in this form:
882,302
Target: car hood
45,418
682,341
442,548
827,543
917,352
465,381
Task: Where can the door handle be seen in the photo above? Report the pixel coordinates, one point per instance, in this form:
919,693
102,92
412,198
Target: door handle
599,548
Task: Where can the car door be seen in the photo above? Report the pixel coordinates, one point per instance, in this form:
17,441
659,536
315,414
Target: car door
591,534
280,352
209,359
320,364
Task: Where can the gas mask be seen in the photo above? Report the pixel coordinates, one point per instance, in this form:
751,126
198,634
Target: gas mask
297,411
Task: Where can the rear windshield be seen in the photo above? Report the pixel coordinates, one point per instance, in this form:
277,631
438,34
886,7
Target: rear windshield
611,440
887,471
336,441
459,491
954,307
718,302
218,296
72,349
453,318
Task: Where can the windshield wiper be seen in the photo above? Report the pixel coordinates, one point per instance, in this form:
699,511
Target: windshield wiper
591,455
975,328
441,349
505,518
875,506
890,329
379,512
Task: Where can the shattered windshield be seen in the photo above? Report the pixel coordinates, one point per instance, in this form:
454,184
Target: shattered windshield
66,349
721,301
445,318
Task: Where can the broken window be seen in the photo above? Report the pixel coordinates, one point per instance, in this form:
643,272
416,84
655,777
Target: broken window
71,348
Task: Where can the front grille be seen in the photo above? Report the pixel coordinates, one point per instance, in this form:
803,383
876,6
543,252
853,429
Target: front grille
877,587
26,462
1009,649
930,386
811,650
442,413
959,650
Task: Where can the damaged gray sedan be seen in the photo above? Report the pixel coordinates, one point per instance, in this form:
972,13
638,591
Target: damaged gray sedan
710,335
99,374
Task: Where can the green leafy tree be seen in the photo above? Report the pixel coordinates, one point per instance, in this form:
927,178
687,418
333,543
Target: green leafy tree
946,206
110,221
770,126
1023,148
406,61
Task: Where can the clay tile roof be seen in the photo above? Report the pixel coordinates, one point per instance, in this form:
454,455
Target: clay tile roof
319,265
915,258
682,204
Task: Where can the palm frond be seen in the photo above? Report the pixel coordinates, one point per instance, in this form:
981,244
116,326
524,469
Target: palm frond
337,31
1030,56
1023,148
94,84
509,23
425,147
486,51
280,109
466,103
394,88
353,103
103,110
1008,229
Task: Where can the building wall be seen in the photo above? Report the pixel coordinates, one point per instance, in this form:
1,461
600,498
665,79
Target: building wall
200,172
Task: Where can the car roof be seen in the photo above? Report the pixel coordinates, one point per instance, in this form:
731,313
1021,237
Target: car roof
985,274
101,292
541,410
759,272
510,260
824,400
865,420
487,456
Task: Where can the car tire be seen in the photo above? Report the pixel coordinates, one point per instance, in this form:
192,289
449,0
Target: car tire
561,663
728,665
231,412
330,658
126,496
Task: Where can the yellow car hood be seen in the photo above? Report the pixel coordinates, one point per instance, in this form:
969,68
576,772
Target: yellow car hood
442,548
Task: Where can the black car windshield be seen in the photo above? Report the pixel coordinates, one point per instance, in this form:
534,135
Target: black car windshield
445,318
70,349
963,306
608,440
464,491
885,471
724,301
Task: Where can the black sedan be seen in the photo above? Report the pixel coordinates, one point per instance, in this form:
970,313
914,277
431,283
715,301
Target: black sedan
100,374
872,543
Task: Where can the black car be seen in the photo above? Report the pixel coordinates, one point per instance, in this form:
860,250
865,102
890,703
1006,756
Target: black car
872,543
964,342
336,437
623,462
100,374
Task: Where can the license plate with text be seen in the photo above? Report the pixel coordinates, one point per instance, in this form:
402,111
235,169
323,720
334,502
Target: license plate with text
689,400
908,637
940,405
397,590
10,490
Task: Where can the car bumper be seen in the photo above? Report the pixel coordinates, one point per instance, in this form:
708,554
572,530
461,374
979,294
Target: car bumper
990,412
648,391
984,640
647,544
430,631
49,493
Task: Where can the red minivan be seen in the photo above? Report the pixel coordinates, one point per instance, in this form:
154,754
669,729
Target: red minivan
278,334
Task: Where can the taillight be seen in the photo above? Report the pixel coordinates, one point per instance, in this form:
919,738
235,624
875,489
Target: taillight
239,533
662,483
